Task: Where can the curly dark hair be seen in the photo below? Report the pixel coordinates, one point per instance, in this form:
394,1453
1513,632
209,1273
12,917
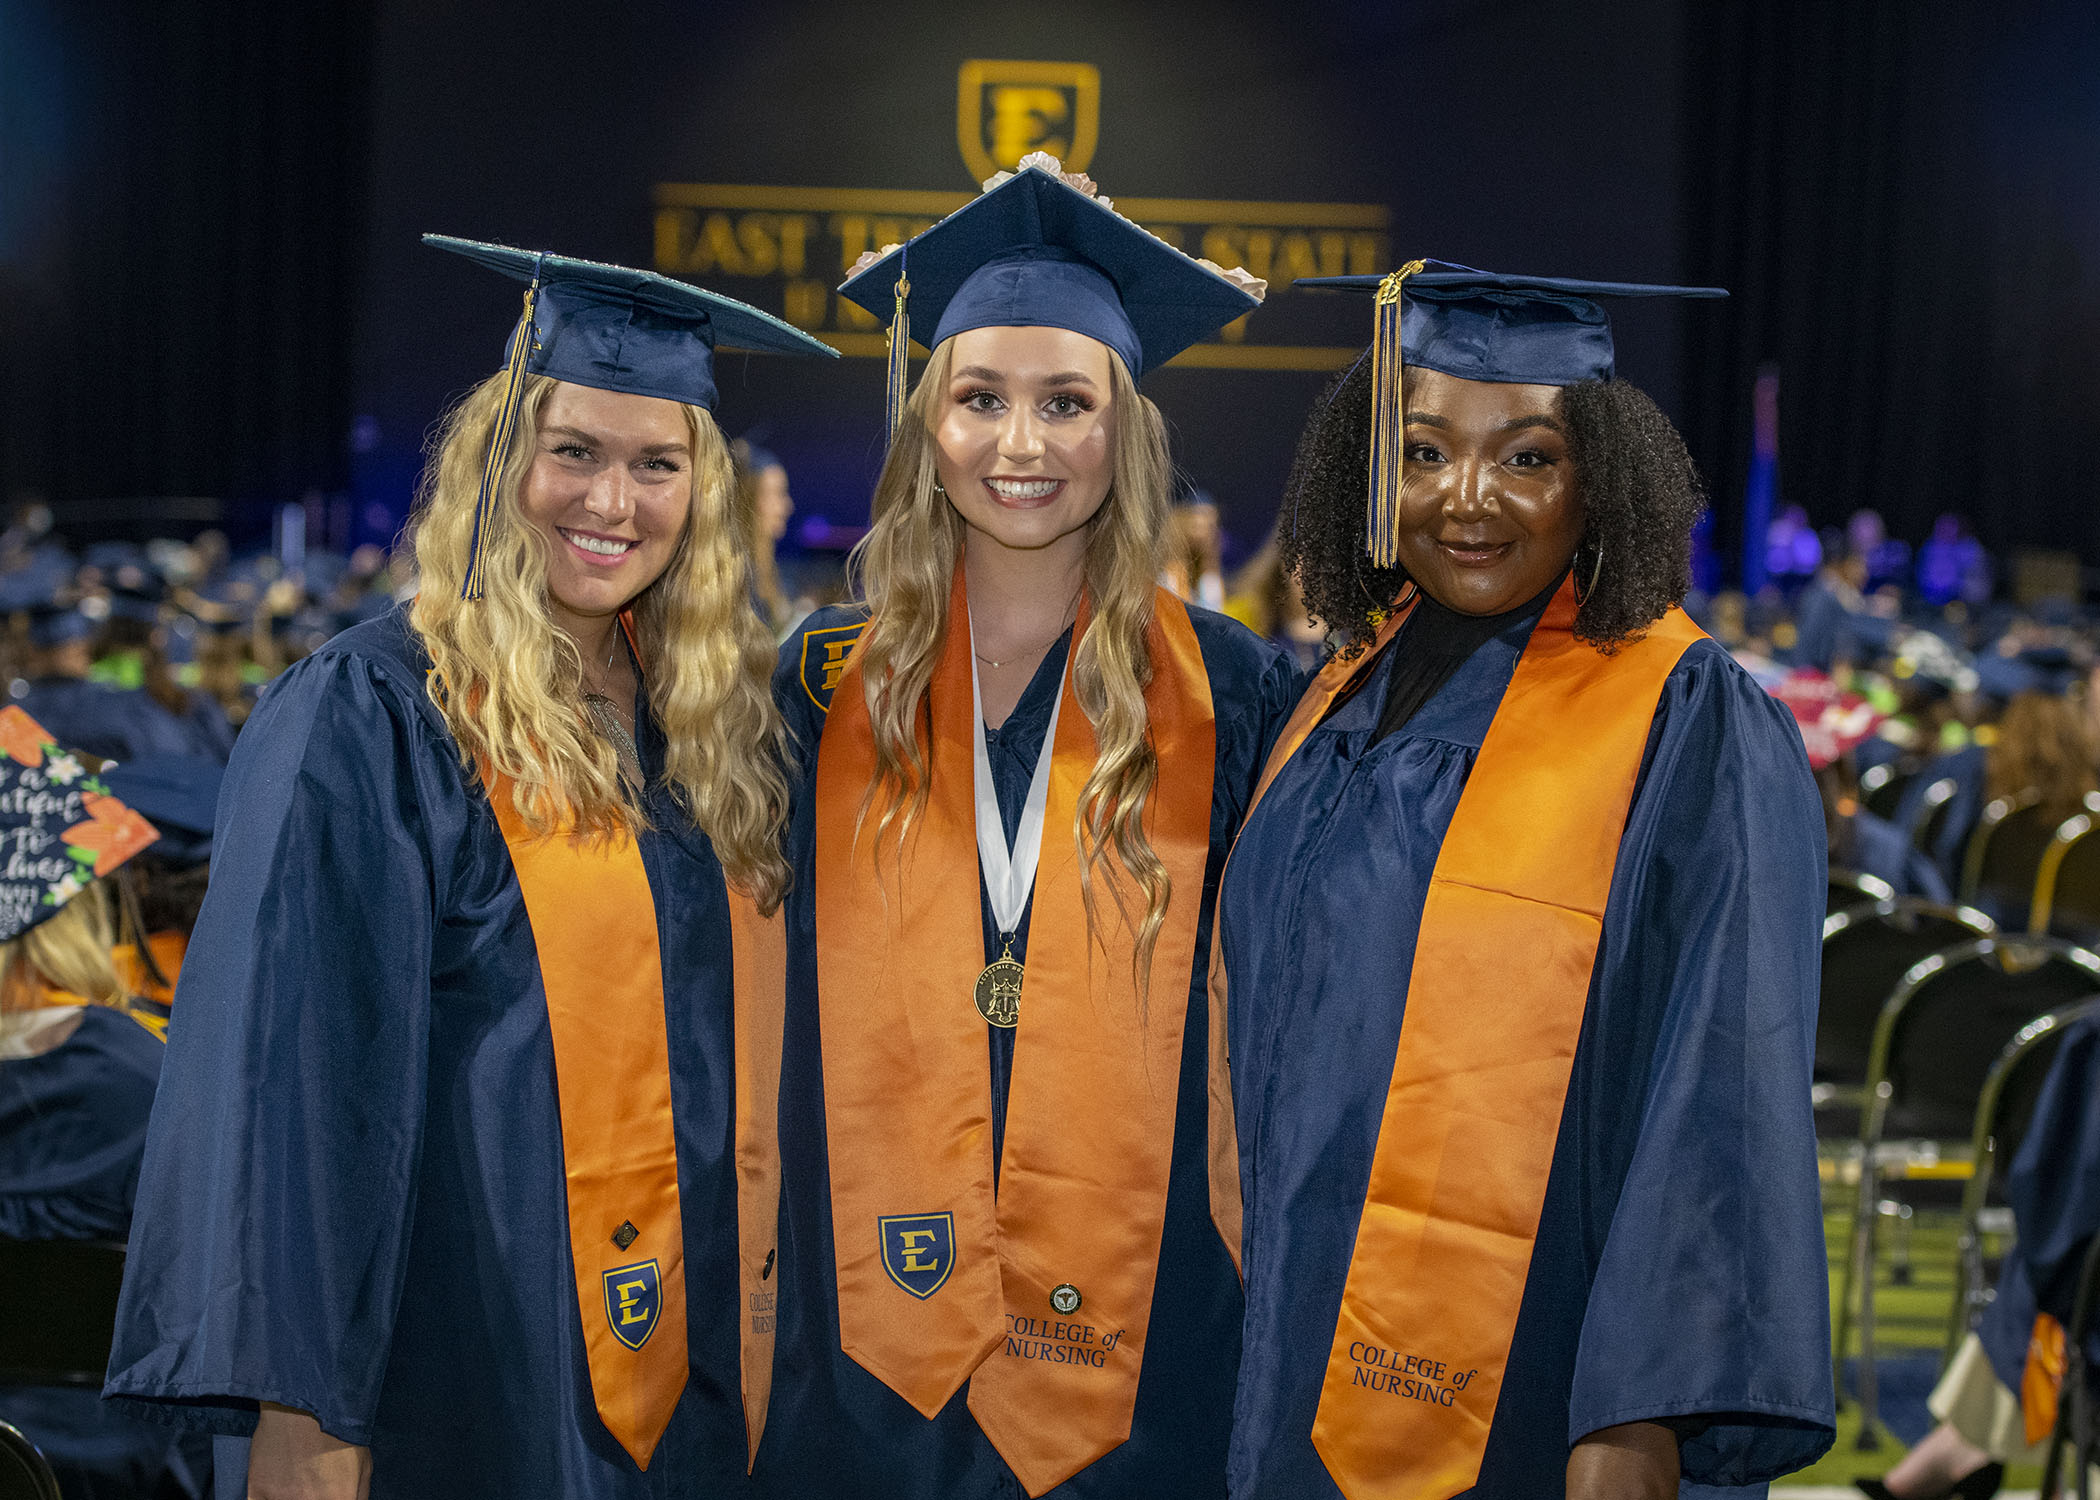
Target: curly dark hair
1641,497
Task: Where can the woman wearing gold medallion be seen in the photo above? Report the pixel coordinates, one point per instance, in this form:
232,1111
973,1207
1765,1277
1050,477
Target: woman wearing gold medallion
1022,761
459,1180
1519,956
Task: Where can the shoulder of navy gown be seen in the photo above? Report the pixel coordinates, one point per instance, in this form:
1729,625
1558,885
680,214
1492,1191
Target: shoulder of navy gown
1254,684
112,722
1678,1270
353,1199
809,666
72,1129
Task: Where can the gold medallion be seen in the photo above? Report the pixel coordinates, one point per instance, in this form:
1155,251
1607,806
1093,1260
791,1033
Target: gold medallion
999,990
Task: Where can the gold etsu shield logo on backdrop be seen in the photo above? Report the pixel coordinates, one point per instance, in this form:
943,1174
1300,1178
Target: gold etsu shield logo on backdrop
1004,110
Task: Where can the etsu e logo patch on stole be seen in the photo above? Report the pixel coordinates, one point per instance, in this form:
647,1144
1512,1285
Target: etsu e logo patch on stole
824,654
918,1250
633,1298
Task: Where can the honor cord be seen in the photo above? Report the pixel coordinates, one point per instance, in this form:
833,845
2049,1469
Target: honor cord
1009,875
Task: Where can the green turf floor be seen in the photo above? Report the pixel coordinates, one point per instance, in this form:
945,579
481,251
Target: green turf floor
1913,1296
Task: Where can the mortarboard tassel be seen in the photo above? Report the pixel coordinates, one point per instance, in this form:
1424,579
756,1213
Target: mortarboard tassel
900,354
1388,422
521,346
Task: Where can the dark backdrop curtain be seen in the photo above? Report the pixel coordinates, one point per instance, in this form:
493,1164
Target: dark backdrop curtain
178,254
1904,196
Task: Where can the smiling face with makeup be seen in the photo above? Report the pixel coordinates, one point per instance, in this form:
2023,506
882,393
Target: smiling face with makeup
1025,437
1489,516
609,490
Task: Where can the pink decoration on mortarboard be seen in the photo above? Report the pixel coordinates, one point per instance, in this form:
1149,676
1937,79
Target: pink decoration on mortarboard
1831,720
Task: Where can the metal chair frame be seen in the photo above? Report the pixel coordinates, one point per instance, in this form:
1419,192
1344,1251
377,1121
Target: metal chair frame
1970,1294
1994,813
1891,775
1859,1261
1931,803
2068,833
1840,922
1871,888
15,1444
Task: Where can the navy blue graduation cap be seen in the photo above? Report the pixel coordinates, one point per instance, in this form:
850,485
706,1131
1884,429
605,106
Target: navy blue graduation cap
1034,251
756,459
178,794
52,625
1475,325
138,601
612,328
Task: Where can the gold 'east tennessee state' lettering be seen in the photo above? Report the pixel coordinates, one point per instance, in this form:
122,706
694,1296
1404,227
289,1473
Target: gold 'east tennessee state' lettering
793,245
793,237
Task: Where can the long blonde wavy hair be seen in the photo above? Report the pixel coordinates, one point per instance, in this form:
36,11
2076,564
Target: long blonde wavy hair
905,569
509,681
69,951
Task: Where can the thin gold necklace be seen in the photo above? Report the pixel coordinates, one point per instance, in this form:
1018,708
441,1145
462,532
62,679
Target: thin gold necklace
1031,651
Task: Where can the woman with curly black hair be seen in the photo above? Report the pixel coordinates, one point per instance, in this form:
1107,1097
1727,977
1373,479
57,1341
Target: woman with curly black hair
1521,941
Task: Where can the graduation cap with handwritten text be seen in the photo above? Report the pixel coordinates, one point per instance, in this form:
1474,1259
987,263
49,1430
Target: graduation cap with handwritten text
60,825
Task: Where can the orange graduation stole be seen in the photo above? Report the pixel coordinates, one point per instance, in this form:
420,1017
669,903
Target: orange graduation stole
1502,969
1037,1295
593,921
2042,1379
168,949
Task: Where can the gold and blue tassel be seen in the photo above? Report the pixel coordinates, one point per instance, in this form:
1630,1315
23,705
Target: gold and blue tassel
1388,422
896,387
521,347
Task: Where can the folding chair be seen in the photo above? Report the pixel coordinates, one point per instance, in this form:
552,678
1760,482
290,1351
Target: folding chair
1881,787
1866,951
2003,1113
1855,888
1929,817
2003,857
58,1310
1934,1043
2067,886
24,1472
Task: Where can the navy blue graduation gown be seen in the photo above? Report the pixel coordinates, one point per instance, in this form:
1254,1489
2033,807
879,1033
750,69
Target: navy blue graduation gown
353,1200
2053,1186
837,1431
1679,1267
112,722
1883,849
72,1129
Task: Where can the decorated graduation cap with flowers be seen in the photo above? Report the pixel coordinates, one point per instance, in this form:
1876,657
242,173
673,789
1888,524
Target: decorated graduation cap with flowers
60,825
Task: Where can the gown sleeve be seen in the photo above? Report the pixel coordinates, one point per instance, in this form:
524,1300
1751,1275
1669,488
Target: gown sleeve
2053,1186
1709,1304
277,1194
